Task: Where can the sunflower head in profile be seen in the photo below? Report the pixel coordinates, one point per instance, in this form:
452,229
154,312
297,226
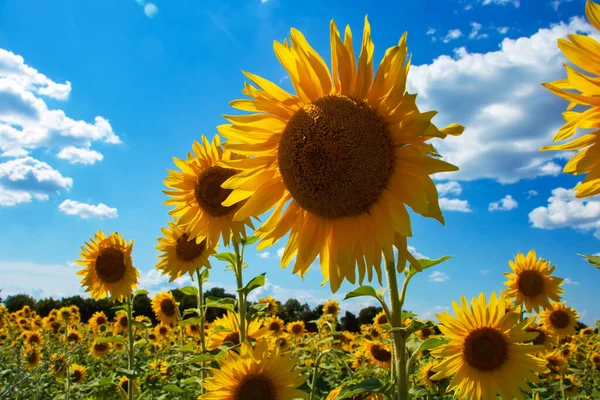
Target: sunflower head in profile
165,308
339,161
78,373
426,372
108,267
32,356
201,204
181,253
99,349
226,329
377,352
485,351
571,384
559,319
254,373
580,89
272,305
530,282
296,328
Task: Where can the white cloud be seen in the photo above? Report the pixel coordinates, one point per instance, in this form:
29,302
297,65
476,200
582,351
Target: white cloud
76,155
23,179
87,211
503,30
564,210
39,280
264,1
150,10
436,310
497,96
454,205
452,35
266,255
438,276
569,281
506,203
475,29
431,31
451,187
485,271
531,193
280,251
515,3
284,78
415,253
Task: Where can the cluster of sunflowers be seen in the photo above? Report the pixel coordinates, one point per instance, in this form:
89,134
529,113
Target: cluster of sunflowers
338,163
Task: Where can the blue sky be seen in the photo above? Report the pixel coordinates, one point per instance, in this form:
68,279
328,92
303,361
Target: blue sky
97,97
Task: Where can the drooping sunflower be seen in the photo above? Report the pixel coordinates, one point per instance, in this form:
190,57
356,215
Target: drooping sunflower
97,320
378,353
272,304
108,267
530,282
230,322
182,254
165,307
559,319
363,396
425,374
581,89
33,357
485,351
99,349
348,152
254,374
296,328
78,373
197,194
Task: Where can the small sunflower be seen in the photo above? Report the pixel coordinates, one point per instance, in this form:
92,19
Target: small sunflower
229,321
97,320
182,254
123,386
381,319
586,332
198,197
59,365
253,374
581,90
544,337
363,396
568,351
559,319
555,362
99,349
78,373
530,282
162,331
120,324
595,358
165,307
161,366
192,330
275,325
108,267
33,338
73,336
33,358
348,152
426,332
282,342
272,304
331,308
296,328
425,374
485,351
377,353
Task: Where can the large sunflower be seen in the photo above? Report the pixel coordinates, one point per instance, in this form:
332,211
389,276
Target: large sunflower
253,374
530,282
165,307
108,267
485,351
559,319
348,152
581,89
230,322
180,253
197,195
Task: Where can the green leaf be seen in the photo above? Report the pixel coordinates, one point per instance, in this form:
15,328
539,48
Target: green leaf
228,257
249,240
140,342
190,311
255,283
219,328
323,341
204,275
366,386
173,389
425,263
431,343
187,348
139,324
129,373
105,381
363,291
192,381
218,302
594,260
112,339
200,359
140,292
189,290
190,321
406,314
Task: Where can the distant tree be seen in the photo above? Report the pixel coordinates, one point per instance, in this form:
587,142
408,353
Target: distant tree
366,315
311,315
579,326
142,305
291,310
350,322
16,302
44,306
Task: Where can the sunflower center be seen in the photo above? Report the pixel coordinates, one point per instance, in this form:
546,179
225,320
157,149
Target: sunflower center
255,387
382,320
76,375
123,321
380,354
296,329
336,157
531,283
34,339
209,193
100,347
100,320
274,326
233,337
189,250
559,319
163,330
110,265
485,349
540,338
167,307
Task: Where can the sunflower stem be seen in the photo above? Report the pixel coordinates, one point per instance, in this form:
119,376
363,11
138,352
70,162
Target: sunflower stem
240,286
313,389
68,375
130,361
201,310
399,341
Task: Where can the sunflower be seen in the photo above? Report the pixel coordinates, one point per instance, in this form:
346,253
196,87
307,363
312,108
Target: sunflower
33,358
296,328
544,337
559,319
192,330
586,332
73,336
59,365
272,304
363,396
182,254
377,353
33,338
581,90
282,342
275,325
371,331
120,324
425,374
530,282
108,267
555,362
253,374
162,331
198,197
381,319
568,351
229,321
97,320
571,385
331,308
595,358
78,373
99,349
426,332
161,366
124,386
485,350
348,152
165,307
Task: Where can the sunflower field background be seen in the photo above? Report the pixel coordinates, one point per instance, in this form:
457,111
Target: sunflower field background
329,170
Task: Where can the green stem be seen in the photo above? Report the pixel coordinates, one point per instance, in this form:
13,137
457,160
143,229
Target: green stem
200,301
399,344
130,361
68,374
313,390
240,285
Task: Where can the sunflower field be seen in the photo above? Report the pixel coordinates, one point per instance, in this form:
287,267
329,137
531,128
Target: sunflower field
330,171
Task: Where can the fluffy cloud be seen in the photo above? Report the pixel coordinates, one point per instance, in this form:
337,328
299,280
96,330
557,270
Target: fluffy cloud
77,155
569,281
497,95
87,211
515,3
431,31
452,35
414,252
451,187
531,193
475,28
280,251
454,205
564,210
506,203
266,255
503,30
438,276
